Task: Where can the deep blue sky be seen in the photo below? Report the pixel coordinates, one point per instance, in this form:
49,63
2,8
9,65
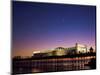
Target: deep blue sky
41,26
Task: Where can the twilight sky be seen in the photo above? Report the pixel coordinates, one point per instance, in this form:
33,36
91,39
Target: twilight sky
41,26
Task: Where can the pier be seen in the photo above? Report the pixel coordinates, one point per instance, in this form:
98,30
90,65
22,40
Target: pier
54,63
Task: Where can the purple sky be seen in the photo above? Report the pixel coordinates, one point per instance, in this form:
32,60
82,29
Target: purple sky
41,26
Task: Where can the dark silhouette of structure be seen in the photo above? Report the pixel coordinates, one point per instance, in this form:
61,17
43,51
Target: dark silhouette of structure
91,50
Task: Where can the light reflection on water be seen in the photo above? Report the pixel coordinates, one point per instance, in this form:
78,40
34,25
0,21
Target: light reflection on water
60,67
36,66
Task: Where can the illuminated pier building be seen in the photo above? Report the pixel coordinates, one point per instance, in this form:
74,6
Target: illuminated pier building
60,51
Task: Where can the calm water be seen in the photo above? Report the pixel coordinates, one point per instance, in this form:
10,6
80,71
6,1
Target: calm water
60,66
52,65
